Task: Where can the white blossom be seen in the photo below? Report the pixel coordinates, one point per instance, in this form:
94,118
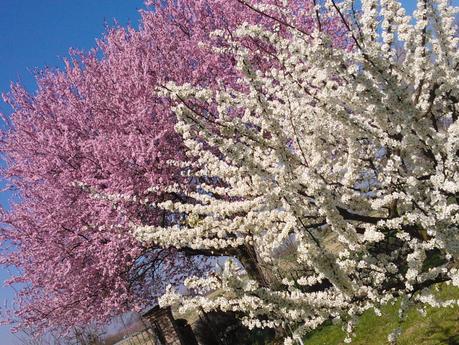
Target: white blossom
350,150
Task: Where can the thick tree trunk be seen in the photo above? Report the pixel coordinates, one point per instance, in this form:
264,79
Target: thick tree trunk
246,255
248,258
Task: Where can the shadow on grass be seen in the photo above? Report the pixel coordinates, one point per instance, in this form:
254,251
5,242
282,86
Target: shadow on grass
445,334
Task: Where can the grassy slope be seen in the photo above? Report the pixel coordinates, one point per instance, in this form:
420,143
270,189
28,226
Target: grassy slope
439,326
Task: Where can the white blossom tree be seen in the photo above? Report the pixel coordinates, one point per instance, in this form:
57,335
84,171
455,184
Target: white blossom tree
351,149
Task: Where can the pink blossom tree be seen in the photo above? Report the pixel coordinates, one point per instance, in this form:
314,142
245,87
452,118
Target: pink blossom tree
100,128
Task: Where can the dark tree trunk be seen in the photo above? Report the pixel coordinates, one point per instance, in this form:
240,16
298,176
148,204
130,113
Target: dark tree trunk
246,255
249,260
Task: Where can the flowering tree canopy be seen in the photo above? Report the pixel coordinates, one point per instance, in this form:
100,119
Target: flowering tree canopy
351,149
94,149
91,124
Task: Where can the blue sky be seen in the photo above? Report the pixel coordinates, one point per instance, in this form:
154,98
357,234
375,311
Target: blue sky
37,34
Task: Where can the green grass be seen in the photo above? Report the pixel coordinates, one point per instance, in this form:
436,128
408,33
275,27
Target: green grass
439,326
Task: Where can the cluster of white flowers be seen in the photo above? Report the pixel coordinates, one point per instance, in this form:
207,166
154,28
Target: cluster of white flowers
353,150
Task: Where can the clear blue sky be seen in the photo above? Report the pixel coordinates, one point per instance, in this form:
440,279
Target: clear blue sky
36,34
